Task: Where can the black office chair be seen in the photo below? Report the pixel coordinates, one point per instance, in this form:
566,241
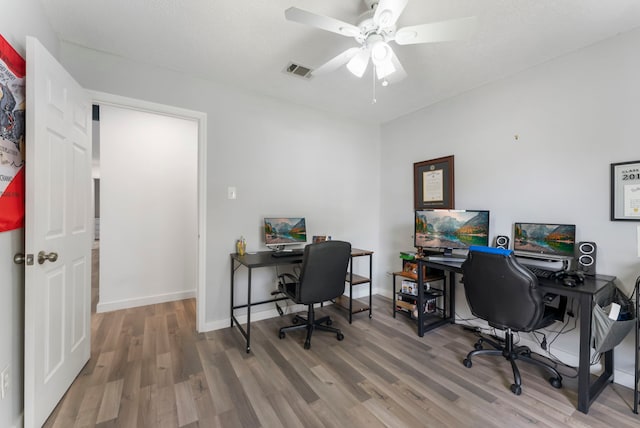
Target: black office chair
322,277
506,295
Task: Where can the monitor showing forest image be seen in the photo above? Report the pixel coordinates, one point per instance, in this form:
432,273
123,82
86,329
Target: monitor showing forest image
547,239
451,229
284,231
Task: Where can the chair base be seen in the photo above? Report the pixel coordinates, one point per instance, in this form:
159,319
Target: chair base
512,354
310,324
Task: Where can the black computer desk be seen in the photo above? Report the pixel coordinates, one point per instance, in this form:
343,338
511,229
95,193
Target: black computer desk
265,259
252,261
585,294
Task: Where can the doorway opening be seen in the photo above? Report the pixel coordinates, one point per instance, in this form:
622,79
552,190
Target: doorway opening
149,183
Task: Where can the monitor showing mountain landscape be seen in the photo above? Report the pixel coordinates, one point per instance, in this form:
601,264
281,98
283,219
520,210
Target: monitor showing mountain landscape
284,231
451,229
544,239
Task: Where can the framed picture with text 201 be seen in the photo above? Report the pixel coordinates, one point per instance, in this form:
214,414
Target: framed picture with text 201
625,191
433,184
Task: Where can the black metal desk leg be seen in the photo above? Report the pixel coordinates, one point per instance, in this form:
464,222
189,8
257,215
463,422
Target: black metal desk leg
370,284
420,302
232,275
350,289
452,296
249,311
584,353
393,294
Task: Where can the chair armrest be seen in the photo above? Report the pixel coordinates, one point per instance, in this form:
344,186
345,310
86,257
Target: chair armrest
289,284
287,275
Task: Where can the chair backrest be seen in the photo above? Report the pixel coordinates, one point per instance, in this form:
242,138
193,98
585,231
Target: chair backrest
500,290
324,270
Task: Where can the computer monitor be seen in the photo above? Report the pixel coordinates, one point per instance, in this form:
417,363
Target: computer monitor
538,239
282,231
451,229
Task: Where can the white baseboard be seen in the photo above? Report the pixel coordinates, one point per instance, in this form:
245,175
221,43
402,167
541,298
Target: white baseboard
20,422
257,316
144,301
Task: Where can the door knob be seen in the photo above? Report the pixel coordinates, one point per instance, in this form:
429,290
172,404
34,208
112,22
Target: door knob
42,256
18,258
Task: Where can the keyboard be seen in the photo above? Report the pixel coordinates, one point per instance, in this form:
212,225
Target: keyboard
291,253
541,273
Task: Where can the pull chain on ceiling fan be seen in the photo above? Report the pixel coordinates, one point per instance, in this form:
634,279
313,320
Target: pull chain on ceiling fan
375,29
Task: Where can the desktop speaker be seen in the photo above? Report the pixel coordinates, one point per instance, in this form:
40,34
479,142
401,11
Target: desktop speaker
502,241
586,258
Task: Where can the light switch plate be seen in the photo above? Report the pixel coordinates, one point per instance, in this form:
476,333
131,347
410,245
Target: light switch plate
231,192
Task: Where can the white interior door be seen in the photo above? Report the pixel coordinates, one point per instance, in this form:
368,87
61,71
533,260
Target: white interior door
58,222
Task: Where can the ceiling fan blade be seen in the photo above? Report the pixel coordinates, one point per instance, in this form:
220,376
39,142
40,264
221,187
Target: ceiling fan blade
443,31
336,62
358,64
388,11
323,22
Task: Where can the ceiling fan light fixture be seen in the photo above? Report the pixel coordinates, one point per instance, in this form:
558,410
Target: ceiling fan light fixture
380,52
385,69
358,64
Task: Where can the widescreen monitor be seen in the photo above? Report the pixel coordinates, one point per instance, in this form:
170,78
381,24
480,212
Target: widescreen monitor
281,231
544,239
451,229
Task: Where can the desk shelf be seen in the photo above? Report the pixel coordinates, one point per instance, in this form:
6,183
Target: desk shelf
347,302
356,305
407,303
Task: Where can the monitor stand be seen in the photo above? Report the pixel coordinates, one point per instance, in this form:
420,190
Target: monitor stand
447,256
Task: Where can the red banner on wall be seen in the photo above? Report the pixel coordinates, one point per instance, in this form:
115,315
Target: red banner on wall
12,125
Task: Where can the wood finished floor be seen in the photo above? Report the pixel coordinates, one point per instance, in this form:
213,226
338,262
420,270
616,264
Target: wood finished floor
149,368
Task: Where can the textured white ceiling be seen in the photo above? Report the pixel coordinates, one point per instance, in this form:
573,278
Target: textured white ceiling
248,43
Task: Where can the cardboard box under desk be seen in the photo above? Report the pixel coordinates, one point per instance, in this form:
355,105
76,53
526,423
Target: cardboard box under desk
410,270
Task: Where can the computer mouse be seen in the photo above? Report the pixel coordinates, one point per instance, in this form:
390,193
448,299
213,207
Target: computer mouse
569,282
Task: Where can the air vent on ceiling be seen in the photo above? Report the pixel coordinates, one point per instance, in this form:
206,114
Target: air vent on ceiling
298,70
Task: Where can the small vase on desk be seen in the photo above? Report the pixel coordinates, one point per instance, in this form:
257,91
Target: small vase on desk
241,246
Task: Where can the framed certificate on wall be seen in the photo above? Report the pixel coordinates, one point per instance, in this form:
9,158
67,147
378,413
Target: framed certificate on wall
625,191
433,184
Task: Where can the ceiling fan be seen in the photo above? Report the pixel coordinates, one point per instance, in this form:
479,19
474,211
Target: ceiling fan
374,30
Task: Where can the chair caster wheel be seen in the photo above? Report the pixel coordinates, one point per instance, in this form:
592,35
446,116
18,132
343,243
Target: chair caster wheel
329,322
295,320
477,346
467,363
556,382
516,389
307,344
340,336
281,335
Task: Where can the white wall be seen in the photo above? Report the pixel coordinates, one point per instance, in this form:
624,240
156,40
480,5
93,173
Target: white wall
574,117
149,231
17,20
283,159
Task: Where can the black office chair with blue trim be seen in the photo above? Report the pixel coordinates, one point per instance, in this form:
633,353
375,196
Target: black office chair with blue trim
322,278
506,294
